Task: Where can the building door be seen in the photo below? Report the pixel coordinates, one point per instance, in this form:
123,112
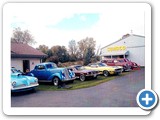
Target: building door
26,65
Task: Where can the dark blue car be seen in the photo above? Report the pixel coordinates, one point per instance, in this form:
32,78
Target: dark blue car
49,72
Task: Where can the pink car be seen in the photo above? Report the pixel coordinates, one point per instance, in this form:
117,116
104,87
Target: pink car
134,66
125,63
118,62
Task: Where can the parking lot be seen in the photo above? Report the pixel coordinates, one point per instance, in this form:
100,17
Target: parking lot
120,92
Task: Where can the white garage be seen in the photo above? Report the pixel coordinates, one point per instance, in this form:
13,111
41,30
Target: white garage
25,57
129,46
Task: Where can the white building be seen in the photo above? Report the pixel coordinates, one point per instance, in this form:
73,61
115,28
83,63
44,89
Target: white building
25,57
130,46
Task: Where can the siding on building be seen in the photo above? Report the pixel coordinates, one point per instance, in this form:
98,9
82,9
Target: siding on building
135,44
25,57
18,62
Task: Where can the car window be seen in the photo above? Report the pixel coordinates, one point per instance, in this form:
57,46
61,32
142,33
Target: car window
79,67
109,61
101,64
14,70
93,65
115,61
121,60
40,67
51,66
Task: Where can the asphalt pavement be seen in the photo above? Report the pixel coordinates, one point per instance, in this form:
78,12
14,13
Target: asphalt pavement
120,92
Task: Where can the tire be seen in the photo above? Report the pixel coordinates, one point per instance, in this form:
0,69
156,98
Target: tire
55,81
82,77
105,73
71,81
95,77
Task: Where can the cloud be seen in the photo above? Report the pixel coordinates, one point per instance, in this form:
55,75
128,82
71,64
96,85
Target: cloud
53,24
76,22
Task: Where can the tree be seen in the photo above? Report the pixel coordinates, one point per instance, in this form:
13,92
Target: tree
53,59
88,55
84,44
61,52
43,48
73,50
23,37
72,47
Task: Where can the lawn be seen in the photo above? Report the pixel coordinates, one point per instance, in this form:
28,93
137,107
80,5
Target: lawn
78,84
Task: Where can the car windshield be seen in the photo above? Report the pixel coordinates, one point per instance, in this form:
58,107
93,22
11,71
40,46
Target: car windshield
50,66
14,70
101,64
79,68
121,60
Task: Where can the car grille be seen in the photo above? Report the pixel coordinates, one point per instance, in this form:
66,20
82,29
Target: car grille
22,85
118,70
33,83
66,72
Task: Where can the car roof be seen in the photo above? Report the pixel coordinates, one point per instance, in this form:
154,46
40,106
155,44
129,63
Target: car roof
75,66
46,63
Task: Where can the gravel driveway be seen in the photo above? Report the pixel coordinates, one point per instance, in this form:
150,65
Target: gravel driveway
120,92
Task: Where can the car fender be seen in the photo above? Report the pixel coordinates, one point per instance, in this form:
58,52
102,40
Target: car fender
55,75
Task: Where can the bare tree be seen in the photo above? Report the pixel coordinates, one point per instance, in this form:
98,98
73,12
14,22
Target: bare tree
72,48
23,37
86,43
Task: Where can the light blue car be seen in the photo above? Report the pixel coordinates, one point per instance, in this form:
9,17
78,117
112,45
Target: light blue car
20,82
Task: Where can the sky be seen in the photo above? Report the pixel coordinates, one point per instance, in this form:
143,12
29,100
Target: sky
58,23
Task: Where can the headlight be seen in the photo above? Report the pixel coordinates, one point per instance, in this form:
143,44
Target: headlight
36,80
14,83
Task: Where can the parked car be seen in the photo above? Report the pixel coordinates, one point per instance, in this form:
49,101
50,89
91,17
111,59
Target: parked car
49,72
82,73
134,66
118,62
20,82
105,69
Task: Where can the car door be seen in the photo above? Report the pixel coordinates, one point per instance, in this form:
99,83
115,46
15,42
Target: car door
40,72
94,66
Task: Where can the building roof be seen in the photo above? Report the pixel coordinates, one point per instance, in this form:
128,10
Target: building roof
20,50
124,37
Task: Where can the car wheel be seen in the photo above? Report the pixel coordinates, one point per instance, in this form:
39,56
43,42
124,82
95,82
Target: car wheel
55,81
82,77
95,77
105,73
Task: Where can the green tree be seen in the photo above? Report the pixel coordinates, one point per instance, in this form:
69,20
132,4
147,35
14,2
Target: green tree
88,55
23,37
61,53
43,48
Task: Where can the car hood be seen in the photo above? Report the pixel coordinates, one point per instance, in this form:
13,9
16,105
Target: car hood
85,71
110,67
22,79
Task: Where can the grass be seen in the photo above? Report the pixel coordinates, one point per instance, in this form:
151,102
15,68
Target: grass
78,84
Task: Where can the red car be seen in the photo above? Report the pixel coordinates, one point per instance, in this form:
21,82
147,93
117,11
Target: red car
82,73
134,66
118,62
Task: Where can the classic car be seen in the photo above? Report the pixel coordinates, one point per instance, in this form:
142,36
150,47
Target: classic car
82,73
118,62
49,72
105,69
20,82
134,66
